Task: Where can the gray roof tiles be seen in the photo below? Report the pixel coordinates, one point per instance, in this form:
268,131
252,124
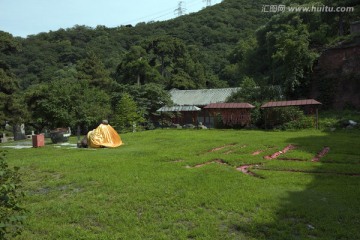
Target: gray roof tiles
179,109
201,97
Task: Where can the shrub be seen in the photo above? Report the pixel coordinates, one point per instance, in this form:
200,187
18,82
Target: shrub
11,214
338,119
301,123
277,117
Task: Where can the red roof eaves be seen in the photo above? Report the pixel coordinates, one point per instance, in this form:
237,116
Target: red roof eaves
229,105
291,103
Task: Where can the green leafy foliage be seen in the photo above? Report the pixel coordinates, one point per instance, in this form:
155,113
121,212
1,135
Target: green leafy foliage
11,106
249,92
66,102
219,46
285,42
303,122
11,213
136,68
148,97
127,117
93,70
278,117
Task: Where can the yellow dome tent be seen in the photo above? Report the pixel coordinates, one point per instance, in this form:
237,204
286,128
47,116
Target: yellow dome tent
104,136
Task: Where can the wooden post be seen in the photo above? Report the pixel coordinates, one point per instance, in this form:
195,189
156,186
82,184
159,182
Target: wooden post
78,131
317,118
265,118
197,118
162,120
206,116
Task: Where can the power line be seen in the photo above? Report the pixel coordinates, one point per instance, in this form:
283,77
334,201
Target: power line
167,12
189,5
155,15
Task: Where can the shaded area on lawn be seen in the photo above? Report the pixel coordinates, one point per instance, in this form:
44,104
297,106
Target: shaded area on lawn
310,213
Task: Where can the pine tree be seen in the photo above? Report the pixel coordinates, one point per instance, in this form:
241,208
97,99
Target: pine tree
127,115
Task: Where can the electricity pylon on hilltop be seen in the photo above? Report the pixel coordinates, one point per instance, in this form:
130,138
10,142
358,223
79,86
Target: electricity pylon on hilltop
180,10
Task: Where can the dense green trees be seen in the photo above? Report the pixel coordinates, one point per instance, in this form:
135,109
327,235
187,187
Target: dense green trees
11,108
285,40
135,68
148,98
285,49
220,46
66,102
165,60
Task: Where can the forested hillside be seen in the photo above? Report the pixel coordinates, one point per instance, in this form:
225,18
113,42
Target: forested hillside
77,76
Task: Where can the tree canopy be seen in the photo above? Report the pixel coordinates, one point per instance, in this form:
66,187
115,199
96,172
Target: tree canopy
77,75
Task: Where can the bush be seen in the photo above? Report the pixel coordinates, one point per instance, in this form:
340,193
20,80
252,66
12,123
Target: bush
277,117
338,119
328,122
301,123
256,116
11,214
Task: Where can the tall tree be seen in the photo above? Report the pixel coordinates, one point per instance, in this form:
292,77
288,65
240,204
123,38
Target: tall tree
135,68
9,85
127,115
66,102
93,70
286,40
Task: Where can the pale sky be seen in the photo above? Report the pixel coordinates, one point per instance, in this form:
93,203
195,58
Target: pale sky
26,17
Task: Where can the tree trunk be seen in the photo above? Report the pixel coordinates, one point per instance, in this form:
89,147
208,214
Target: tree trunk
138,79
341,25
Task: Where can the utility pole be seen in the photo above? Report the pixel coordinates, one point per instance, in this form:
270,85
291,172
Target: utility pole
180,9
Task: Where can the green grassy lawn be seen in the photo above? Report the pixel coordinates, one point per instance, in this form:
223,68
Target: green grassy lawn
154,187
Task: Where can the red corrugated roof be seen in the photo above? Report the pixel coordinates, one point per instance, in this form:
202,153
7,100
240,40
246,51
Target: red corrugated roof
229,105
291,103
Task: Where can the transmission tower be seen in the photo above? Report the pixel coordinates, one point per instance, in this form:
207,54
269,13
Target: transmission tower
208,2
180,9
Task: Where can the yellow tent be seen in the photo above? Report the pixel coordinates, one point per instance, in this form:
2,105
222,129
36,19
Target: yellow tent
104,136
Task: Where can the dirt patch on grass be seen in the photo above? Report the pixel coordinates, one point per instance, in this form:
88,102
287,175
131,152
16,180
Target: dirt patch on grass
321,154
219,161
257,152
221,148
246,169
277,154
